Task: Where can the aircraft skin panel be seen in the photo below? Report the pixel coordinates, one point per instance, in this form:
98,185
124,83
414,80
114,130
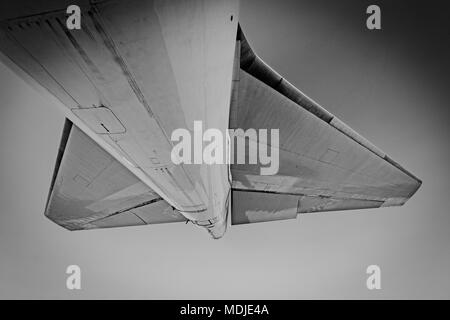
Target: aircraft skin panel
251,206
90,189
212,60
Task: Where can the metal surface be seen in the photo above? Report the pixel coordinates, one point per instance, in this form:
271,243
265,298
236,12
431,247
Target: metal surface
90,189
324,164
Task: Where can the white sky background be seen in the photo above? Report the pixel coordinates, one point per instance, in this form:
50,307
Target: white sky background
390,86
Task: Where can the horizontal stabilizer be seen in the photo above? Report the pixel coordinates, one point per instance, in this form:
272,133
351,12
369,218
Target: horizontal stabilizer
323,164
90,189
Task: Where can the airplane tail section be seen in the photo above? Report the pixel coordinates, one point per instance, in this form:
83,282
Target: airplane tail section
140,71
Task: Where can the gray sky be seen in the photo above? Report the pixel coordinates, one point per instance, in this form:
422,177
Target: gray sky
390,85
